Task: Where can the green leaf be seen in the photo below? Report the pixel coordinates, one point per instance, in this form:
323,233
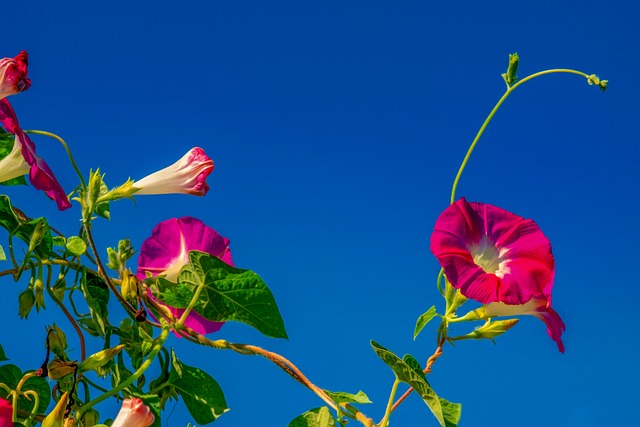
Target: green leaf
11,376
3,356
17,224
3,256
201,393
318,417
96,292
342,397
19,180
408,370
451,412
423,320
228,293
76,246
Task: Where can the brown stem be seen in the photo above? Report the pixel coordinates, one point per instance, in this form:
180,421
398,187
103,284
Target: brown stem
427,370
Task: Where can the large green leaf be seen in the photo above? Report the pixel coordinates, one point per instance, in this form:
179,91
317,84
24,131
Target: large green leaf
96,292
11,376
318,417
228,293
201,393
409,371
20,226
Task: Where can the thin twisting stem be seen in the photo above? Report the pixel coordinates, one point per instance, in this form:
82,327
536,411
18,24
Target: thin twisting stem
66,147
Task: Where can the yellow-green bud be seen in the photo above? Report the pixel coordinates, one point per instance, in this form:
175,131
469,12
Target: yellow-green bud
90,418
57,340
38,287
100,358
26,301
59,369
38,234
510,76
129,286
56,417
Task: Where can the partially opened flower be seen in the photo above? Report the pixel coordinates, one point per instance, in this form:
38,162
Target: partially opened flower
494,256
134,413
13,75
188,175
167,250
538,307
6,413
40,174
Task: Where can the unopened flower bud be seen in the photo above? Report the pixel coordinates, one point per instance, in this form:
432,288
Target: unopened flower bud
134,413
38,234
38,287
71,422
129,286
26,301
490,330
59,369
100,358
56,417
57,340
90,418
510,76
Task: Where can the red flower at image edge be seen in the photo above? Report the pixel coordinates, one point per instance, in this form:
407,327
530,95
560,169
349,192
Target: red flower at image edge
498,258
6,413
167,250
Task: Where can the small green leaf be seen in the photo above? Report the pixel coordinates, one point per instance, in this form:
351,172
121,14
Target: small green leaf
76,246
342,397
3,256
423,320
228,293
96,292
3,356
201,393
318,417
408,370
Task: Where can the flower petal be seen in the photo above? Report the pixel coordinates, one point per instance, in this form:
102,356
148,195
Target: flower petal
13,75
134,413
40,175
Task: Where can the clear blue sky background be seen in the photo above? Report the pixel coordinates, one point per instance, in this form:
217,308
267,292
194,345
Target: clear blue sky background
337,128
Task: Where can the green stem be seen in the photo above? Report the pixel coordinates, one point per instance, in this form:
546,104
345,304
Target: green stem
192,304
66,147
394,389
493,112
137,374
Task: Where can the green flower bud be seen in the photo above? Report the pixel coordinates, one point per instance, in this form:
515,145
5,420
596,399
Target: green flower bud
38,287
489,330
26,301
38,234
510,76
129,286
100,358
57,340
59,369
90,418
56,417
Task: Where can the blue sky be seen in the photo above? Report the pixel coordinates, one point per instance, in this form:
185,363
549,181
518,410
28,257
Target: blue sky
337,129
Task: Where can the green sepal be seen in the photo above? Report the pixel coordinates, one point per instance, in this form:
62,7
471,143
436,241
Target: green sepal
490,330
201,393
318,417
228,293
423,320
408,370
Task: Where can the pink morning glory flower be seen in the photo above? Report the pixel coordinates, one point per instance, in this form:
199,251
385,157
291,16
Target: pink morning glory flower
538,307
495,256
6,413
134,413
167,250
40,174
188,175
13,75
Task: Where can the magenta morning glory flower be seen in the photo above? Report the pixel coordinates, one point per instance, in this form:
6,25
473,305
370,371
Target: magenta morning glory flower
6,413
40,174
188,175
495,256
13,75
167,250
134,413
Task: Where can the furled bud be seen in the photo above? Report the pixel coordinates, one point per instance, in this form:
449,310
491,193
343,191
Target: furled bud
56,417
489,330
99,359
129,286
510,76
26,301
57,340
38,287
